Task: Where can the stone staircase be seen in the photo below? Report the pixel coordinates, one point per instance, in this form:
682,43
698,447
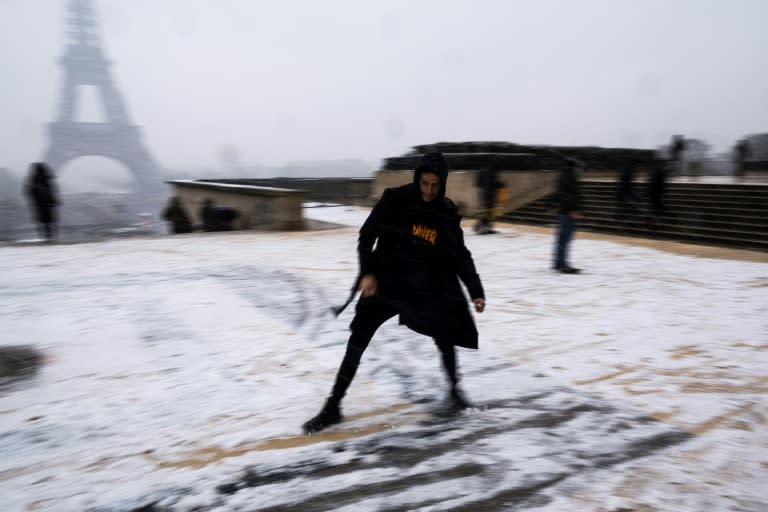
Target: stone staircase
722,214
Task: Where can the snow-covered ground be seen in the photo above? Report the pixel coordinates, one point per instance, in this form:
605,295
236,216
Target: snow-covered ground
179,369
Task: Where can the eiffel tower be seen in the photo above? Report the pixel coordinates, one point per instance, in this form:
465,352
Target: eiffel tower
85,64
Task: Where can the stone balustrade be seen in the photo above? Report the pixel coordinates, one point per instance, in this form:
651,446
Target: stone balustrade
260,208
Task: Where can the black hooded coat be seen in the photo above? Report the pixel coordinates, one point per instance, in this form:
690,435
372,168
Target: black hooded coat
42,192
417,253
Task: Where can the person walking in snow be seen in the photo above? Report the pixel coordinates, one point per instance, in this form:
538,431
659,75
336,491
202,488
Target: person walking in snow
43,195
568,201
412,254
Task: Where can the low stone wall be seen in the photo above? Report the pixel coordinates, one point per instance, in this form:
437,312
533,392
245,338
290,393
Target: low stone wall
354,191
519,157
529,171
523,187
261,208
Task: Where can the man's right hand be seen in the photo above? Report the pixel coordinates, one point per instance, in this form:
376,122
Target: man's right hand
368,285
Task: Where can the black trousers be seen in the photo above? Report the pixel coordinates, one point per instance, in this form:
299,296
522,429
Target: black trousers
370,314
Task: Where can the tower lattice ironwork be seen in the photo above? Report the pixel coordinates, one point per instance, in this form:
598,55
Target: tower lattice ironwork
84,63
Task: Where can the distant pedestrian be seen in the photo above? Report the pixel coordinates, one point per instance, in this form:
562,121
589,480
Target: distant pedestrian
677,147
568,201
217,218
741,153
627,200
657,183
43,196
177,216
489,188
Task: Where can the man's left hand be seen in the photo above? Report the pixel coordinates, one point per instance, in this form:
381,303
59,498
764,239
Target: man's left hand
479,304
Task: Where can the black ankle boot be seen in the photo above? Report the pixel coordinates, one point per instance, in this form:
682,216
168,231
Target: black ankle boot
458,400
329,415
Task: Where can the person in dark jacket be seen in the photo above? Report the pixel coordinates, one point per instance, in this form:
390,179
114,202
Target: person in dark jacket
656,185
217,218
43,195
568,201
677,147
627,200
412,254
489,185
741,153
177,216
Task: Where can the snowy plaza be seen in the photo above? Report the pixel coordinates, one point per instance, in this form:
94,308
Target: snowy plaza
177,371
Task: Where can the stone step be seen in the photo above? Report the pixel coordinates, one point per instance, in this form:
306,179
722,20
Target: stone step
721,238
699,195
728,215
743,208
724,196
720,213
544,217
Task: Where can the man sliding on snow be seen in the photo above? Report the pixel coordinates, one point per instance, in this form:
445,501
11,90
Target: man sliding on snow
412,273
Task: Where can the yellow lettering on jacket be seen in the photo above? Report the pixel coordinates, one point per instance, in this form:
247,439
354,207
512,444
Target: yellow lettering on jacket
425,233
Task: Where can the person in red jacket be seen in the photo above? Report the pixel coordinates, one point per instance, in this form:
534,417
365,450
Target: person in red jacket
412,254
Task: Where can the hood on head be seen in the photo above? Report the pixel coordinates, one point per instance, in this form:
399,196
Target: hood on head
433,162
41,171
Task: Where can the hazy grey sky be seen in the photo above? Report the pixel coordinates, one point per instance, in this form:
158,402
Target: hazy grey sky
297,80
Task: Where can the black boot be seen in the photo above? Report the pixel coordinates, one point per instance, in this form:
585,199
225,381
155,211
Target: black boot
457,399
329,415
